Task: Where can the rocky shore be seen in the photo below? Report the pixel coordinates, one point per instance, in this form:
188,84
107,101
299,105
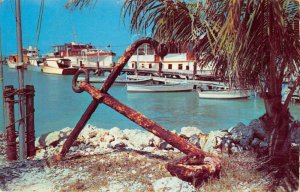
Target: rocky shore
123,160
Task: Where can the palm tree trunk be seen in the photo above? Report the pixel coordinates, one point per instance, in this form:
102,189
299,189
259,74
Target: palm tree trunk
278,127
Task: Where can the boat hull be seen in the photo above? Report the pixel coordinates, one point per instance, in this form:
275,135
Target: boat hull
160,88
59,71
227,94
11,65
117,81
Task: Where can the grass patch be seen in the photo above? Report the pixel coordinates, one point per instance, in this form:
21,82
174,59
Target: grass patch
142,169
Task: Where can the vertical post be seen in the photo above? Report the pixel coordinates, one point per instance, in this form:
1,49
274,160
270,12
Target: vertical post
194,70
159,68
135,68
137,61
10,131
30,138
20,67
98,67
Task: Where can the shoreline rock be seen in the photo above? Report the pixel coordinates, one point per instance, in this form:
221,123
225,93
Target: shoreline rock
94,141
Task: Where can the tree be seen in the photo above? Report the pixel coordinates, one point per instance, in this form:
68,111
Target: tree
255,43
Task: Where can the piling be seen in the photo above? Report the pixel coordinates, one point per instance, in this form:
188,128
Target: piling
30,134
98,66
99,70
159,68
10,131
136,68
194,70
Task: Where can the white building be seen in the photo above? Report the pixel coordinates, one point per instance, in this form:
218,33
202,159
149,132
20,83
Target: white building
176,60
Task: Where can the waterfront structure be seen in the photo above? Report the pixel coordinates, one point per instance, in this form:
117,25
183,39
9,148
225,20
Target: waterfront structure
178,59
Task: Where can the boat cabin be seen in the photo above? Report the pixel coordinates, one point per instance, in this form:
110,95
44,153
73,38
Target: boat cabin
70,49
81,55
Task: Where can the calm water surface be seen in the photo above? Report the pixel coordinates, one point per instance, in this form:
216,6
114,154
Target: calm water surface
57,106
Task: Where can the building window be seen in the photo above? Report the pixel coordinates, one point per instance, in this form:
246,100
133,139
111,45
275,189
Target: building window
187,67
179,66
150,65
143,65
132,65
170,66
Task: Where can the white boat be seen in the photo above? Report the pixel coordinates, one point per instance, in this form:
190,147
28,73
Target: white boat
30,59
63,68
80,55
172,87
224,94
12,60
34,61
118,81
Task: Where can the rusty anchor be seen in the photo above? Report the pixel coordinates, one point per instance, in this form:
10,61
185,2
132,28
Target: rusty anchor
195,167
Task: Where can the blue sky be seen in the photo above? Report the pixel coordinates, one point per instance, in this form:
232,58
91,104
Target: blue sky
100,25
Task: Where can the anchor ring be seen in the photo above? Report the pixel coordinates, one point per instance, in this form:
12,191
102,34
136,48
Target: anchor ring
75,79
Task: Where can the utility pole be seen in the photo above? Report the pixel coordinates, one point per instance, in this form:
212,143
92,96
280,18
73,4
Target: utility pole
20,68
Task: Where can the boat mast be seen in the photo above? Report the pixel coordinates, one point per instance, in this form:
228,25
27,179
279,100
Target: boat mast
20,68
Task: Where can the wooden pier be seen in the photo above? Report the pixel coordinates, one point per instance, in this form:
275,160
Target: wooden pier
168,73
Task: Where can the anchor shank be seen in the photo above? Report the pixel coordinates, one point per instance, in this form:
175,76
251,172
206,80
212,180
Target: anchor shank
79,126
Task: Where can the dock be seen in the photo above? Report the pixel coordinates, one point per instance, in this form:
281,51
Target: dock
196,83
176,74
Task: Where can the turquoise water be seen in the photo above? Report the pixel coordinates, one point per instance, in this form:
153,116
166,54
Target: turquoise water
57,106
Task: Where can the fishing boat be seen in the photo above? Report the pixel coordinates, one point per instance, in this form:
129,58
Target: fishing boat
168,87
118,81
63,68
34,60
13,60
224,94
31,59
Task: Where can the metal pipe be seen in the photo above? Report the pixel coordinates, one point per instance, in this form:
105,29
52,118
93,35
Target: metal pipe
20,67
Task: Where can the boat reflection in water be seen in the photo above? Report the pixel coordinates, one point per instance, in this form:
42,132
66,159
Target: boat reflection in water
168,87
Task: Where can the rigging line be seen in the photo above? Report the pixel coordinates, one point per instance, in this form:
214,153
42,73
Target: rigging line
12,9
2,78
73,28
39,23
